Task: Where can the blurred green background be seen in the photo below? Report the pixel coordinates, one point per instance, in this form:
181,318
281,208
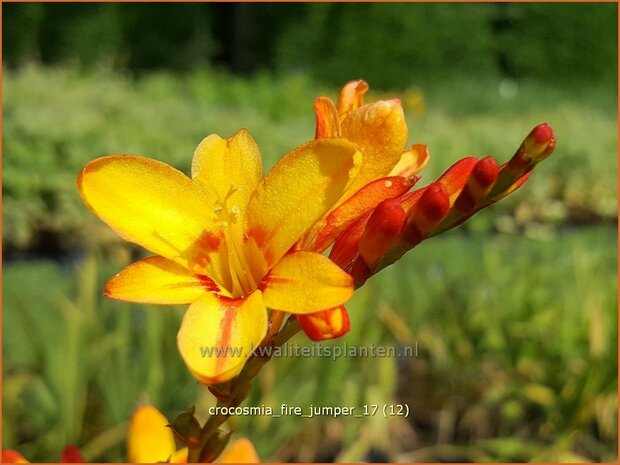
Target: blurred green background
514,313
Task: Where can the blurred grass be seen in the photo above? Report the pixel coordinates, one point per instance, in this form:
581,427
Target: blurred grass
517,332
59,118
517,360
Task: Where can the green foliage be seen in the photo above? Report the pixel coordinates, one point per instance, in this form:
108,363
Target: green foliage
391,45
517,361
562,42
58,119
129,35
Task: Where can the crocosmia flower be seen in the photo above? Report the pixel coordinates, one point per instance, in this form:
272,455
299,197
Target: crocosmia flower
224,239
231,243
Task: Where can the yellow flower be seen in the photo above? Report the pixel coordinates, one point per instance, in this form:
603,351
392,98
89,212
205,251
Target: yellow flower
223,239
150,440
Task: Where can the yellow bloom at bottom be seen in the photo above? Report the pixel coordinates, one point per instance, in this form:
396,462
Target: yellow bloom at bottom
150,440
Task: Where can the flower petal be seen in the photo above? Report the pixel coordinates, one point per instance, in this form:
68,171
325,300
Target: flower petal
157,280
298,191
11,456
326,324
363,201
240,451
306,282
156,206
412,161
218,335
149,439
351,96
179,456
229,170
380,132
455,178
327,124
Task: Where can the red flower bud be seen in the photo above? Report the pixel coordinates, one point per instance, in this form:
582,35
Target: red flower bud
480,182
537,146
432,207
382,231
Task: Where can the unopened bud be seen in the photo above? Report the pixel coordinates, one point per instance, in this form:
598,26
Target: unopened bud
186,428
479,183
383,229
537,146
326,324
428,212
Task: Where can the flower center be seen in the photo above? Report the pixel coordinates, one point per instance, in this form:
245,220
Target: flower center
237,271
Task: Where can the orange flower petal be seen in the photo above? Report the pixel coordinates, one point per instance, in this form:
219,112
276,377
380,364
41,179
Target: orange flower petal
346,247
455,178
363,201
412,161
326,324
327,124
298,191
156,206
179,456
218,335
157,280
11,456
149,439
306,282
380,132
240,451
351,97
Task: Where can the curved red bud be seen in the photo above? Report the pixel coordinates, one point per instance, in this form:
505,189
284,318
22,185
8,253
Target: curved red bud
432,207
383,230
537,146
480,182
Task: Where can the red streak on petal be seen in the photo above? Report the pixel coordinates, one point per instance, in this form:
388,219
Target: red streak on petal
260,235
270,279
225,327
210,241
208,283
